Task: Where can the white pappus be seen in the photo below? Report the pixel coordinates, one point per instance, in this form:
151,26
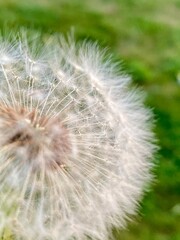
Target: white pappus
76,144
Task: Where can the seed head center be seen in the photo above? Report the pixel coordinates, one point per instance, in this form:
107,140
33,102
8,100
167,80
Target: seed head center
34,138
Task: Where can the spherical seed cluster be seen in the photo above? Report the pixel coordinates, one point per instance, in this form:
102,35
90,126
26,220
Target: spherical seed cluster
75,142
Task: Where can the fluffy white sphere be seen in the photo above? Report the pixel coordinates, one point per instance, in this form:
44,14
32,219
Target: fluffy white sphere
75,143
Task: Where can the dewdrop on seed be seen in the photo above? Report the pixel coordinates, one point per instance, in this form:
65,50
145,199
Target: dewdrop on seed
75,143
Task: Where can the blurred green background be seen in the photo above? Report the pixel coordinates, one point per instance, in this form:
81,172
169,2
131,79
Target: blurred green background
145,34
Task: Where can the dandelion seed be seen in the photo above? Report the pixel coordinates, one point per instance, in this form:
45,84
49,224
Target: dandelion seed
75,143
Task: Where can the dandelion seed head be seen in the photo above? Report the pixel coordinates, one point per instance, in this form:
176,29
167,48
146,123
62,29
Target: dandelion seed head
75,142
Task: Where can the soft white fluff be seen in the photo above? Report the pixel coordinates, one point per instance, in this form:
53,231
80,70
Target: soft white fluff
98,182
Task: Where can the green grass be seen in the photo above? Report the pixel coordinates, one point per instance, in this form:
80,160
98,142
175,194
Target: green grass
146,36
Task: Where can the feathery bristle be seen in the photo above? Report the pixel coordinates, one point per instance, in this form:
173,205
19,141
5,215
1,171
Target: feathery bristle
75,143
